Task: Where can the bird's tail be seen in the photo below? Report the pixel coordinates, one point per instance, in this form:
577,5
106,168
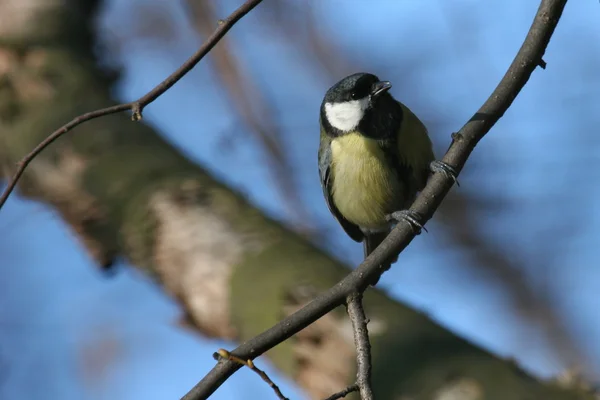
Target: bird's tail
370,243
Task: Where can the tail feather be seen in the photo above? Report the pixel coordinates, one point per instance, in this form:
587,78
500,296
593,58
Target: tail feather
370,243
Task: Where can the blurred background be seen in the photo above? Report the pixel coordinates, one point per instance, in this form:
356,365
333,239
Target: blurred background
511,258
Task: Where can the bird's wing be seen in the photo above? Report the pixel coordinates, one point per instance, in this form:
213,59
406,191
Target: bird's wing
414,147
410,153
403,169
326,184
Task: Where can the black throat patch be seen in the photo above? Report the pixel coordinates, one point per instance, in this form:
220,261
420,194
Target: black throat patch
381,121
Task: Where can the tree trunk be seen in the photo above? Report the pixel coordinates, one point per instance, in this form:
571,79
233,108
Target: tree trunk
126,192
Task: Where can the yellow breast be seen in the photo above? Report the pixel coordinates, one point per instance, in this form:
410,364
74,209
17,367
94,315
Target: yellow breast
364,190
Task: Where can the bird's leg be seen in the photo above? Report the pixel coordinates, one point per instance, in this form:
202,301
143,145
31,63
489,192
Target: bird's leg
444,169
411,217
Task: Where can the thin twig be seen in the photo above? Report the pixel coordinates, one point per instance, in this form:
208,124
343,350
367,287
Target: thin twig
224,354
343,393
359,321
428,201
137,106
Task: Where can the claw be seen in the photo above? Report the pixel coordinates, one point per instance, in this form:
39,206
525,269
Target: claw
445,169
409,216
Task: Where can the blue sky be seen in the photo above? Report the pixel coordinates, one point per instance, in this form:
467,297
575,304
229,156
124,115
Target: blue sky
541,157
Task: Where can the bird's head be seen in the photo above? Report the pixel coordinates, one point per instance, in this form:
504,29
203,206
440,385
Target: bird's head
347,102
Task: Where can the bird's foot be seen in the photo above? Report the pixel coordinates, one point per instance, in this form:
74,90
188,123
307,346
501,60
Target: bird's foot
444,169
411,217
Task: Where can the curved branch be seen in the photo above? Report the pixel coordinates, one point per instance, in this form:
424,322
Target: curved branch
527,59
138,105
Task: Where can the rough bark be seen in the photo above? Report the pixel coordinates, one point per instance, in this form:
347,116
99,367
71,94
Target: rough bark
126,192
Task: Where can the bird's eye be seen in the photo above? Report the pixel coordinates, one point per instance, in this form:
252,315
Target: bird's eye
353,96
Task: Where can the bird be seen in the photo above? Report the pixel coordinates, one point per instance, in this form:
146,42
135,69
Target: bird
374,156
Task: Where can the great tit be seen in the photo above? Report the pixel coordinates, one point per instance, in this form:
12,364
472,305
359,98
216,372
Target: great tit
374,156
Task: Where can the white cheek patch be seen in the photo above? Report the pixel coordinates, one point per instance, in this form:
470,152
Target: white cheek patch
347,115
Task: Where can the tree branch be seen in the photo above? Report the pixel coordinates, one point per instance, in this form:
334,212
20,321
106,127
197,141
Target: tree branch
527,59
138,105
224,354
359,320
343,393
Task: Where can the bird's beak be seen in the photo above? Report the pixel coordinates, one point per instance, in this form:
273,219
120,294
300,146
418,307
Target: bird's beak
380,87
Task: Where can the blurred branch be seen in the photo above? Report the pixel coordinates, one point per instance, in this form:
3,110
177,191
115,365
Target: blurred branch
296,21
257,112
527,59
291,19
509,272
138,105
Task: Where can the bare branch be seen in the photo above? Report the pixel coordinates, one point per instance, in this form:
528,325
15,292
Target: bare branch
138,105
464,141
359,320
222,353
343,393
